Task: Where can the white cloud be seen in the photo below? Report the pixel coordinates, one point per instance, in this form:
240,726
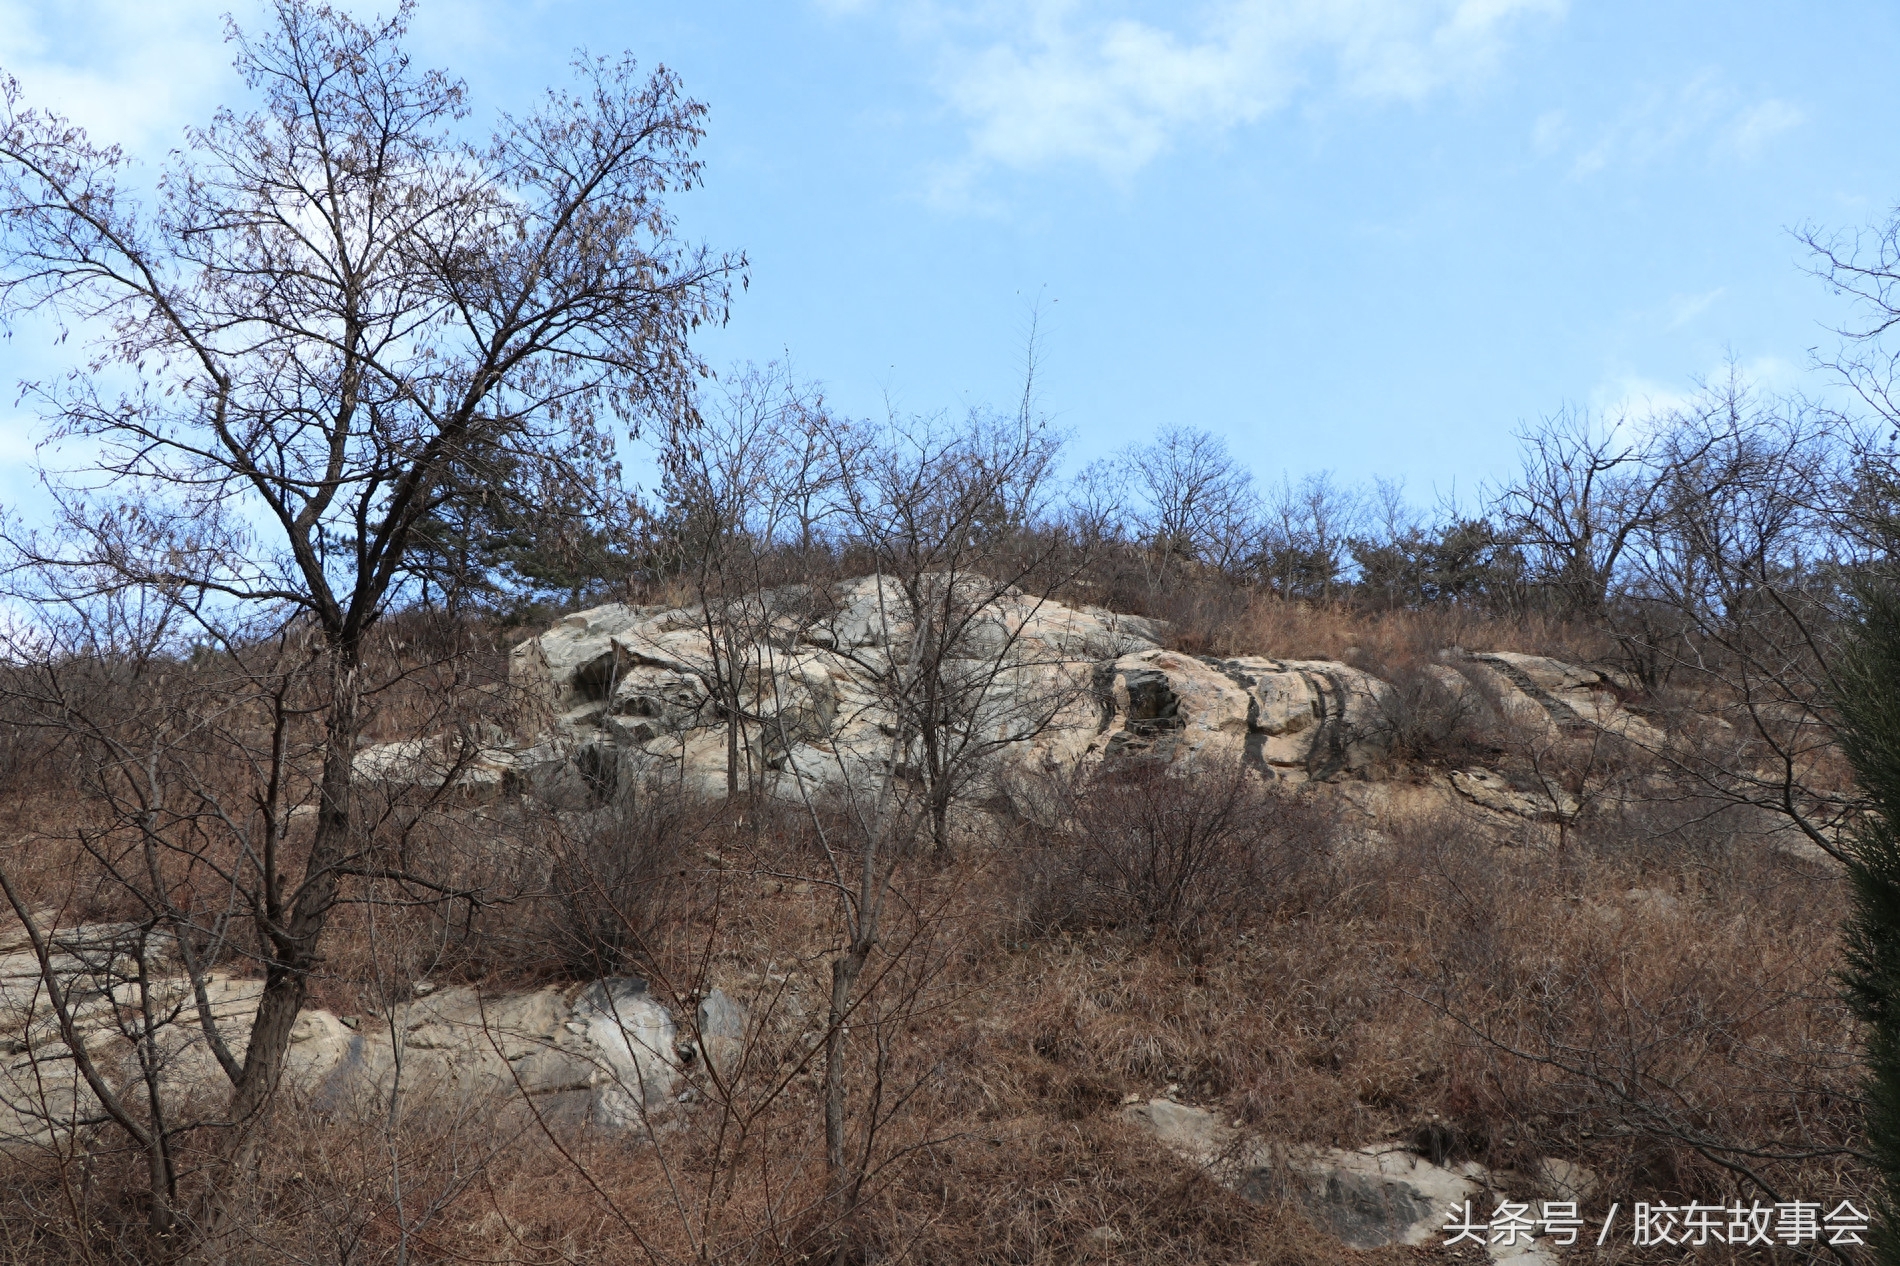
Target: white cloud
131,73
1686,308
1643,401
1050,81
1659,124
1757,125
1549,132
139,72
1634,400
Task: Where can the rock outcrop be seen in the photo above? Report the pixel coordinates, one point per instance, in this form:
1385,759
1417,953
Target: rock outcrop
1553,698
632,691
1368,1197
1546,802
1285,719
604,1052
630,694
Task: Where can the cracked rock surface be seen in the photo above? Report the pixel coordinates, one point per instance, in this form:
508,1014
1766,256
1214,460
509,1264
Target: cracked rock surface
629,694
602,1052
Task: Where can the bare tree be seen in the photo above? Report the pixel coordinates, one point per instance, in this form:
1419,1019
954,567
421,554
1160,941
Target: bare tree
944,520
1725,600
747,491
1583,490
333,306
1865,268
1193,503
1308,528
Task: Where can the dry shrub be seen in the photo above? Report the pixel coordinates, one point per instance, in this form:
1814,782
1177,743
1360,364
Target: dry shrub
1151,851
1434,716
1085,1191
1664,1010
541,895
616,883
1654,1001
432,670
1275,627
1198,615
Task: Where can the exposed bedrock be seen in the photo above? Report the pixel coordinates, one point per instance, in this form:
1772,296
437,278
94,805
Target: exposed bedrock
630,695
605,1053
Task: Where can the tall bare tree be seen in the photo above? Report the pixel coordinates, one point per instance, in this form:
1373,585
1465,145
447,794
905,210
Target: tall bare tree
1191,502
1583,490
1307,530
945,518
334,304
1726,600
747,494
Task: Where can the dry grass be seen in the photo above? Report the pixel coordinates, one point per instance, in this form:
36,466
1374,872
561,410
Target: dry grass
1269,626
1644,992
1635,1003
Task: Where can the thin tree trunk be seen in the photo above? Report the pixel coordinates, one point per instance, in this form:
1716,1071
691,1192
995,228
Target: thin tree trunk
162,1176
732,754
844,975
295,938
940,818
844,978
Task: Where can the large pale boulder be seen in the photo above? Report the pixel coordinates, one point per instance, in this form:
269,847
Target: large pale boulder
474,770
43,1093
1552,698
1285,719
603,1052
1369,1197
1175,707
1060,688
632,688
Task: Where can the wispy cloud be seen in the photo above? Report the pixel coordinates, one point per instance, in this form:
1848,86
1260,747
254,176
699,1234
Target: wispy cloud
1685,308
148,69
1661,124
1550,131
1045,82
1632,398
1642,402
1754,127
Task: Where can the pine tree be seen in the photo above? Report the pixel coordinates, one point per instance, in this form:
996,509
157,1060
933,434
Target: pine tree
509,534
1868,694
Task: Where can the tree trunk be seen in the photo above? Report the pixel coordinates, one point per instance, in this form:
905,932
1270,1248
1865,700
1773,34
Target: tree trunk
844,976
732,755
722,639
940,818
162,1175
296,938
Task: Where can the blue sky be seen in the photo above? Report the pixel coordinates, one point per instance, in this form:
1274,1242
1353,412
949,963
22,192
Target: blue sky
1368,236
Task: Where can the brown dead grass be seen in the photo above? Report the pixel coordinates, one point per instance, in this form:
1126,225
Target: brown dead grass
1481,1000
1269,626
1637,993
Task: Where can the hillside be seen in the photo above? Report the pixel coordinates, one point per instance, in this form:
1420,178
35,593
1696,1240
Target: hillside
1215,958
